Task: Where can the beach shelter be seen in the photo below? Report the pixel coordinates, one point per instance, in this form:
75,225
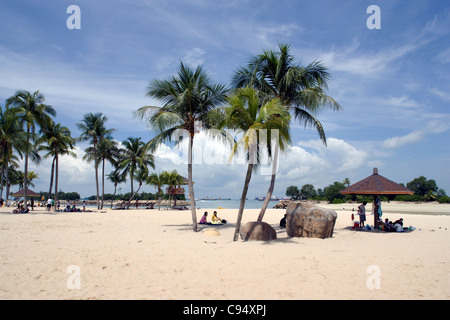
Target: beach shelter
30,193
376,185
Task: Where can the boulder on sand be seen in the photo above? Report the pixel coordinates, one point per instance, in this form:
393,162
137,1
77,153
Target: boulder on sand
304,219
260,231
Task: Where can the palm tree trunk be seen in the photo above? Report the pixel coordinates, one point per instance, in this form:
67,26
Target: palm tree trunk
1,181
159,198
96,175
51,177
7,181
242,203
56,182
191,185
132,195
272,185
25,180
103,180
114,195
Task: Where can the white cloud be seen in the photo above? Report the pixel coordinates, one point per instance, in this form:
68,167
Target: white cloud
443,56
399,141
194,57
403,101
445,96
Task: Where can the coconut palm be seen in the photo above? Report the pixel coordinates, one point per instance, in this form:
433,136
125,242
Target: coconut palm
187,98
248,114
140,176
116,177
135,156
12,138
93,129
301,89
56,140
33,112
158,180
172,179
107,150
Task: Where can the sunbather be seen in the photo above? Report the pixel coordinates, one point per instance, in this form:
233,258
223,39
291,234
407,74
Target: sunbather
203,219
216,220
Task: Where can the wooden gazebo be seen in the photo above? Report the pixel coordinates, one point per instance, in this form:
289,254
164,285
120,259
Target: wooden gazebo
376,185
30,193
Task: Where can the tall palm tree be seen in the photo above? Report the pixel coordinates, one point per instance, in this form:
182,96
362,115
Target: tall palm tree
116,177
141,176
187,99
301,89
247,114
107,150
93,129
56,140
12,138
34,112
135,156
173,179
158,180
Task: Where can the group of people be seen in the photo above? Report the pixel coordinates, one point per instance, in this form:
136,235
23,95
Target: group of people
215,219
387,225
68,208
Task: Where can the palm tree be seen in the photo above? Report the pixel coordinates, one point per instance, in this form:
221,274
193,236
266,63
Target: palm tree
135,156
32,176
141,176
247,114
187,99
173,179
158,180
58,141
107,150
93,129
12,138
33,112
301,89
116,177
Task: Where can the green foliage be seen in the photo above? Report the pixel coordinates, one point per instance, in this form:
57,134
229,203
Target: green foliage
308,191
332,192
64,195
422,187
443,199
293,192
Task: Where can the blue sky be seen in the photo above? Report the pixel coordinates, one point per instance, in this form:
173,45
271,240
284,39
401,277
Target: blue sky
393,83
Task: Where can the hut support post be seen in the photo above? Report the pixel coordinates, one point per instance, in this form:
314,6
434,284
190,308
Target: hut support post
375,212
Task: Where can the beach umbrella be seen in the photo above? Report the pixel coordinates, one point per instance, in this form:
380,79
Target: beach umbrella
376,185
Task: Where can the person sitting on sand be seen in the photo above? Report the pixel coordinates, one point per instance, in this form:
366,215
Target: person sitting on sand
216,220
283,222
203,219
398,225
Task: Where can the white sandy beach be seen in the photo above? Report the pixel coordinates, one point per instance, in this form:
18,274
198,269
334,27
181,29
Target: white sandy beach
151,254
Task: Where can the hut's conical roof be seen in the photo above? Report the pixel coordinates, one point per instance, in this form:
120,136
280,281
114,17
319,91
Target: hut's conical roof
21,193
376,185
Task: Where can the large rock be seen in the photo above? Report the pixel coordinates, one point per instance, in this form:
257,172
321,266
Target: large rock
304,219
258,231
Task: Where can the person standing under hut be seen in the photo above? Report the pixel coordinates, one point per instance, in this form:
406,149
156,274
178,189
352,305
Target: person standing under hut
362,213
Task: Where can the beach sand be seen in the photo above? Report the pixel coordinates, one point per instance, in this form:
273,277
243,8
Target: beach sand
151,254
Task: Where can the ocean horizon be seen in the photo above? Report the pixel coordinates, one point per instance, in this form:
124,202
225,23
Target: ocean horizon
210,204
